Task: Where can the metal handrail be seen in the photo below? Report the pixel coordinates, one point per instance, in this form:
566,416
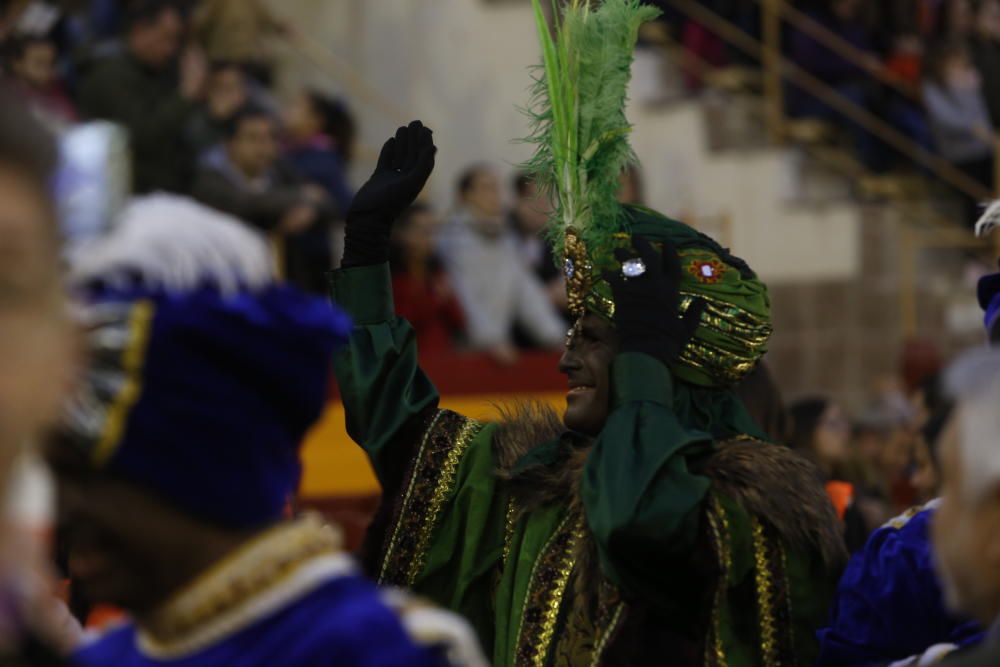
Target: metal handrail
842,47
783,68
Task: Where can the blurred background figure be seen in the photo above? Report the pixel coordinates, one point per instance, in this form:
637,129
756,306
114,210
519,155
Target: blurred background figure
31,61
422,292
320,144
239,31
226,93
151,93
527,218
958,115
495,286
245,178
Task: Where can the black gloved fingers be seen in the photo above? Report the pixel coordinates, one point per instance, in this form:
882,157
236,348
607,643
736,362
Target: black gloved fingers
399,155
387,155
671,261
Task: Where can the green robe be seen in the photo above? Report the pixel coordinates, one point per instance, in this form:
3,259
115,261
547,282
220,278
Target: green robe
648,563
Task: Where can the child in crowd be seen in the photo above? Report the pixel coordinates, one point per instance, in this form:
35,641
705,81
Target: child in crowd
420,286
321,134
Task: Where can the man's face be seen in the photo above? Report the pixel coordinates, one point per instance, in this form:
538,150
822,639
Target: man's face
965,533
36,340
483,195
121,541
254,148
38,64
590,348
157,43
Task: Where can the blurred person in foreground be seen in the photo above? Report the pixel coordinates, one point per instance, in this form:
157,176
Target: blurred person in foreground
420,287
173,497
245,177
528,218
321,133
33,74
151,91
495,285
966,529
37,354
653,523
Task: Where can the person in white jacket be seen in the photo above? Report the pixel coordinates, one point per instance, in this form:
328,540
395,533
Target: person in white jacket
495,286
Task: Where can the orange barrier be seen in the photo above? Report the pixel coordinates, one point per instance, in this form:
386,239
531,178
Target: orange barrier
336,468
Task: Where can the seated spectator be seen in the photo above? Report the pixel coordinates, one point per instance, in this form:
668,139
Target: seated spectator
959,117
528,217
245,178
985,49
906,59
32,65
421,290
239,31
321,134
495,286
226,93
139,89
967,526
820,431
852,81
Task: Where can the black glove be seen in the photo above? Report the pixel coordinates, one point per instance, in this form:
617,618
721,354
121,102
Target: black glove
646,306
404,165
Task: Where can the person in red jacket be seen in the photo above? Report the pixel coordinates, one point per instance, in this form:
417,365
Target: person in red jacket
420,286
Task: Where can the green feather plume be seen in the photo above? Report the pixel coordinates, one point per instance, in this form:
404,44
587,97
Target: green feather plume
577,111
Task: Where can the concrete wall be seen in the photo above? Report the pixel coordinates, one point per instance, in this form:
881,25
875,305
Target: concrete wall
461,66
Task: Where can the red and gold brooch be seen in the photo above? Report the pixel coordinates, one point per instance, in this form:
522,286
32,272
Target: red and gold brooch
708,272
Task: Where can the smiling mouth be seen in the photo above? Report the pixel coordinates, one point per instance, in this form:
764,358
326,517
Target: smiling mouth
580,388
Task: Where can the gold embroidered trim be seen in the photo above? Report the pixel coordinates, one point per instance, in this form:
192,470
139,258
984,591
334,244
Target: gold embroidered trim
133,360
765,597
549,576
510,522
431,481
773,596
259,566
715,653
605,637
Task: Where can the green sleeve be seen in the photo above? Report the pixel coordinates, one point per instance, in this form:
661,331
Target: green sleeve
386,396
642,501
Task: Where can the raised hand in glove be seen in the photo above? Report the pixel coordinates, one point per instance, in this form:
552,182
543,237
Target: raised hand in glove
647,315
404,165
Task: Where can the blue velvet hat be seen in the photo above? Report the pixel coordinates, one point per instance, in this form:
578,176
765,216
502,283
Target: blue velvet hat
989,300
205,373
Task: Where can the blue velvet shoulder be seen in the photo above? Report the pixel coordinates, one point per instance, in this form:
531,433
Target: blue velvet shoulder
889,605
342,623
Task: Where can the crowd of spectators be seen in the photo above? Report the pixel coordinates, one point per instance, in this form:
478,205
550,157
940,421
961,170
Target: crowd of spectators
927,68
191,83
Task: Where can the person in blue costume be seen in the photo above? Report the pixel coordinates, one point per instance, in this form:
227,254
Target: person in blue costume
179,452
889,605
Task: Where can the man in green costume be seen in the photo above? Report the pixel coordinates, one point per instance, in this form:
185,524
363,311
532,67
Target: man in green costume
653,524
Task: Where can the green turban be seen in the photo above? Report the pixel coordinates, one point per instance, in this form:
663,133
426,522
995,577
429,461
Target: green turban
736,323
